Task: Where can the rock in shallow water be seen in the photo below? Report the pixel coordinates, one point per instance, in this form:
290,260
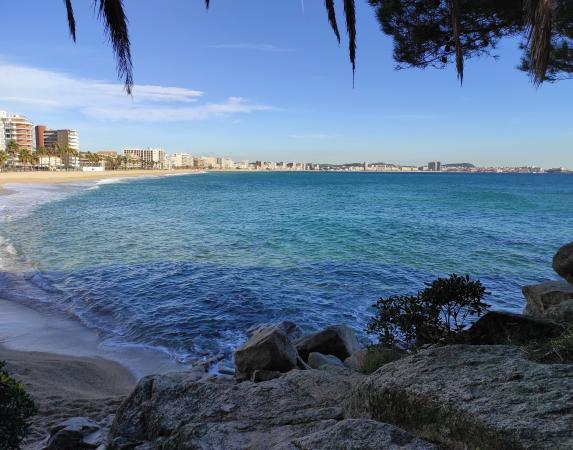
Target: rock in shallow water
551,300
487,397
337,340
563,262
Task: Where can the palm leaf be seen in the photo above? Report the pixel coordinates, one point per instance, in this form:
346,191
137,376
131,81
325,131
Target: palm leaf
539,15
332,17
455,19
350,14
71,18
115,22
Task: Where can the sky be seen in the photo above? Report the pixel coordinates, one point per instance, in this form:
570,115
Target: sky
266,79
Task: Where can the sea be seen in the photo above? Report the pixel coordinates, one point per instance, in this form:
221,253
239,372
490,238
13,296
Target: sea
181,266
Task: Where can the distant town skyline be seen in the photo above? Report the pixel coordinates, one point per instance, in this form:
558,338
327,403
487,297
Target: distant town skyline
267,81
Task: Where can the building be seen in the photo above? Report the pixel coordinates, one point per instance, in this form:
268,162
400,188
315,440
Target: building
40,129
181,160
435,166
14,127
149,157
61,139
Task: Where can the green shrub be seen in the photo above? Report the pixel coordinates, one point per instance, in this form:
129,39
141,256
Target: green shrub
557,350
16,408
436,314
377,355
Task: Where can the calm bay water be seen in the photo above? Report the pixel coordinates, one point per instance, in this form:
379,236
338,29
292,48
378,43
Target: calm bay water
185,264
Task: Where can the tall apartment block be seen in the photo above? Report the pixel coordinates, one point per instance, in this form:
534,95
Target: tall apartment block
154,156
14,127
57,138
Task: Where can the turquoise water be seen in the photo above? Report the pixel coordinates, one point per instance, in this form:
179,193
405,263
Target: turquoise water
185,264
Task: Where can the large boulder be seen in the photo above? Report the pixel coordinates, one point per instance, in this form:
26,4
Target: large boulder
359,434
318,360
486,397
77,433
176,412
337,340
268,349
551,300
504,328
563,262
291,329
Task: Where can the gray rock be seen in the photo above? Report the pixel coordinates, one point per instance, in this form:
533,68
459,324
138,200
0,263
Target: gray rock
487,397
551,300
264,375
226,370
291,329
358,434
356,360
174,412
268,349
563,262
503,328
337,340
76,433
317,360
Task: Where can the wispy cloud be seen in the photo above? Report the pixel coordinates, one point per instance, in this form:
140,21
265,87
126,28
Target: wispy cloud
313,136
48,90
254,47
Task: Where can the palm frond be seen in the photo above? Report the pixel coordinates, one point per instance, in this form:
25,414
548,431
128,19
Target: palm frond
456,31
539,15
115,22
350,14
332,17
71,18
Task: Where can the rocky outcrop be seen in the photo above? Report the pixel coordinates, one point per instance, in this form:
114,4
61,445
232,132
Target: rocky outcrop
358,434
336,340
291,329
563,262
175,411
268,349
503,328
357,359
77,433
551,300
318,360
487,397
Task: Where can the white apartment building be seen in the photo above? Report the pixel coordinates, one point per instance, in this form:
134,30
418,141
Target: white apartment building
179,160
62,139
148,157
14,127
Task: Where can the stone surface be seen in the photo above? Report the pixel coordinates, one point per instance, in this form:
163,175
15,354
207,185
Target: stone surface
264,375
174,411
486,397
551,300
76,433
291,329
503,328
337,340
563,262
356,360
358,434
317,360
267,349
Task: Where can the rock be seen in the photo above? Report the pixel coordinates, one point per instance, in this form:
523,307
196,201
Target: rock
226,370
503,328
264,375
563,262
268,349
291,329
460,396
77,433
359,434
317,360
551,300
337,340
356,360
174,412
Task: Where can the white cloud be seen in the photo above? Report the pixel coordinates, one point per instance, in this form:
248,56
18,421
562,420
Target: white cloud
48,90
313,136
255,47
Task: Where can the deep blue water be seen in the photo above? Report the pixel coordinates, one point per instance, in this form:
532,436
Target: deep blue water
187,263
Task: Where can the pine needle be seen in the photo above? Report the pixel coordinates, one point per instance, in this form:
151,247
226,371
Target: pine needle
455,18
207,4
332,18
350,13
71,18
115,22
539,15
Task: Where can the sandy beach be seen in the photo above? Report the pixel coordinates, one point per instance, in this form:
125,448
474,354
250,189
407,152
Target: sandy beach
66,177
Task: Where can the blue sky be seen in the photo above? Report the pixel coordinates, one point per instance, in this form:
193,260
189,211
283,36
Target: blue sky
266,79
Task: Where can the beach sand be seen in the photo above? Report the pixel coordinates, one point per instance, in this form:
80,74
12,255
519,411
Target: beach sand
66,177
67,386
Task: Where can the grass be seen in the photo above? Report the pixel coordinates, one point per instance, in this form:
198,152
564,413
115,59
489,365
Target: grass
557,350
378,355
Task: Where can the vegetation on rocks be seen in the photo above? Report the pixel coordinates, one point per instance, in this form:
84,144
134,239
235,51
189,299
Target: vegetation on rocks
378,355
437,314
16,409
557,350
